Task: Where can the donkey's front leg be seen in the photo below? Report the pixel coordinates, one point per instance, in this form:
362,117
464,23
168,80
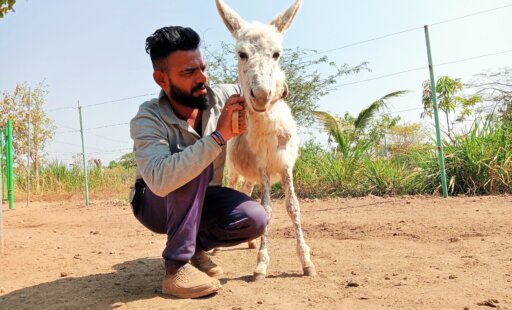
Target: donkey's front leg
292,206
263,259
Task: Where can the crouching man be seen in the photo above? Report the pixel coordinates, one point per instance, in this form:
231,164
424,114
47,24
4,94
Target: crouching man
179,145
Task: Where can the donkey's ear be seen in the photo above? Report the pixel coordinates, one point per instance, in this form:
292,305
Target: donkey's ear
231,18
284,20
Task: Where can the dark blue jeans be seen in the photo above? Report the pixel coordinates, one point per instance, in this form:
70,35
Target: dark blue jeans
198,215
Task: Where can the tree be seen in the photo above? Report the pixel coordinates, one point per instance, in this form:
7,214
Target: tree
495,87
126,161
355,136
6,6
403,138
448,100
305,84
15,106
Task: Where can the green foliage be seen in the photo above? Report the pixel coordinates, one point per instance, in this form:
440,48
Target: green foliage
16,106
358,136
391,177
405,139
448,100
306,85
56,177
127,161
6,6
477,162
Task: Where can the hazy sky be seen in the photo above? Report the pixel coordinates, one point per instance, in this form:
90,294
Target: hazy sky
93,51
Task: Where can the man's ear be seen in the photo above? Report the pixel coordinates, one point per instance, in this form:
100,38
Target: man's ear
161,79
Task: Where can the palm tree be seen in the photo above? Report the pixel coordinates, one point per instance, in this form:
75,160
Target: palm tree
347,131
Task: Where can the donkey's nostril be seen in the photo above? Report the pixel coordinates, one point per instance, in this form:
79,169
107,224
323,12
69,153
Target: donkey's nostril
252,94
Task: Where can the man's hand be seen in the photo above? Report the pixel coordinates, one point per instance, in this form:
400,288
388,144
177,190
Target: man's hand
225,123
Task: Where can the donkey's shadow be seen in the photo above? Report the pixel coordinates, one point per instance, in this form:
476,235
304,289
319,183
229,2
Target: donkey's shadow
132,280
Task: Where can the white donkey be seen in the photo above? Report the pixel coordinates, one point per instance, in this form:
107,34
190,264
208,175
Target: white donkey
267,151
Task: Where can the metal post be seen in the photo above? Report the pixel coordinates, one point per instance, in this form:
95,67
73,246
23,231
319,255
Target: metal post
83,156
10,169
1,200
3,188
436,117
385,144
28,153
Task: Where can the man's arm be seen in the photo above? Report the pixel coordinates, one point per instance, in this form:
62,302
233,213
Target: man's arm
162,170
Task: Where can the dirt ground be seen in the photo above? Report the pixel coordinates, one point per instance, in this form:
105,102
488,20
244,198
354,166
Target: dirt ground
370,253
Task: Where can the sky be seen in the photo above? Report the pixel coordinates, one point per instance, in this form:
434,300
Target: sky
92,52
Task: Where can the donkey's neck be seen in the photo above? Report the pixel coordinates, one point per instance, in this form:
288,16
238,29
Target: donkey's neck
270,122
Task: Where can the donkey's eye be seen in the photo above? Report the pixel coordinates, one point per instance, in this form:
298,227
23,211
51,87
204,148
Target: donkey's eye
276,55
243,55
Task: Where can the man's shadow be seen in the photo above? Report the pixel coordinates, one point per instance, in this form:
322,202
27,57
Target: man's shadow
133,280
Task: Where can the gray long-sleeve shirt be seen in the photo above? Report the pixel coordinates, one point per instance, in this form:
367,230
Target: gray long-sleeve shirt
170,153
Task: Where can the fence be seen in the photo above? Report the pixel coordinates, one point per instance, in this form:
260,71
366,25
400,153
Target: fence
427,69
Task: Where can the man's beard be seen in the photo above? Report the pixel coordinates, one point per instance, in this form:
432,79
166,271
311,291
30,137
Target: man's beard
187,99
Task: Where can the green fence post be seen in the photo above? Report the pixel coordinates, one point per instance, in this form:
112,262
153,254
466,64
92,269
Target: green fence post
10,169
3,174
436,117
1,196
83,156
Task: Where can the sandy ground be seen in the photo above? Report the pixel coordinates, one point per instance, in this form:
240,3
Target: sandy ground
370,253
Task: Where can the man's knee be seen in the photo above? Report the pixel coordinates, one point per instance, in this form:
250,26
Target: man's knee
257,217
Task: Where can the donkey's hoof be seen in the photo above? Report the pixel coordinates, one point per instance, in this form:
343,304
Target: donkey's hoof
309,271
259,276
252,244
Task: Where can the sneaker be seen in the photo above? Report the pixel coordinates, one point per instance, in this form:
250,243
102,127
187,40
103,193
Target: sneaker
202,261
188,282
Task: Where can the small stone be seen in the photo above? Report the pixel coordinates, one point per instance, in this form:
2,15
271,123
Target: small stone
451,277
63,274
112,252
352,284
77,256
489,303
386,278
260,302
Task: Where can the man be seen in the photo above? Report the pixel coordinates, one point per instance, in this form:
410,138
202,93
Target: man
179,145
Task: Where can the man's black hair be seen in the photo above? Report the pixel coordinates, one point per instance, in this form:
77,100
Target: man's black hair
170,39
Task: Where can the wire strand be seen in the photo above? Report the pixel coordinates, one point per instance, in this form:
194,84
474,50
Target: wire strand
405,31
117,100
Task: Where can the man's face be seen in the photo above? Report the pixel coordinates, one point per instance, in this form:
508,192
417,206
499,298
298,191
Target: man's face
187,79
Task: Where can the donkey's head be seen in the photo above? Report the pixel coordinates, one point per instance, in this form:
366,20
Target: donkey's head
259,49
